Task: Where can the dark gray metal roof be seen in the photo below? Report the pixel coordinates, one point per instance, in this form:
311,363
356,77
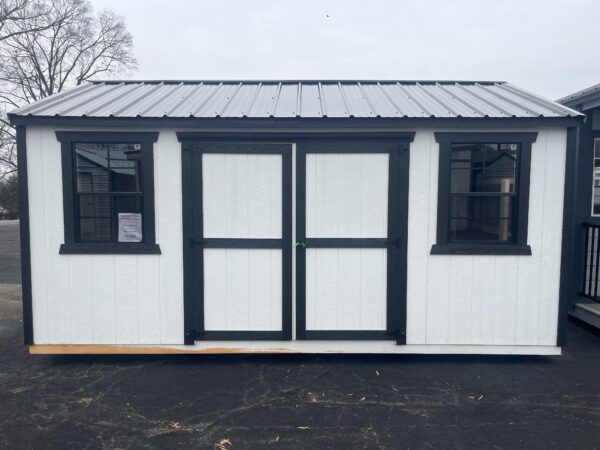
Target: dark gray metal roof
586,99
285,99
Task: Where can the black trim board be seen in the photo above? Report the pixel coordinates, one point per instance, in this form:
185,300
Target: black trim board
194,241
295,124
71,245
569,275
519,246
25,238
395,242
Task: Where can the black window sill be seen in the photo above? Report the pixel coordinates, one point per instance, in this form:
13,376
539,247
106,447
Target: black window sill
129,248
480,249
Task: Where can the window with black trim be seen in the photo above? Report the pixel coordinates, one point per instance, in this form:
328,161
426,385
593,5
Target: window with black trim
108,192
483,193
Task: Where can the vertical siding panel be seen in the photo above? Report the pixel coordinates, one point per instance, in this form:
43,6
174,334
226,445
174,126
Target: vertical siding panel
438,267
528,295
420,202
57,267
373,291
37,237
80,293
168,214
459,314
505,300
215,289
325,298
126,296
104,316
438,307
482,300
349,282
148,299
552,236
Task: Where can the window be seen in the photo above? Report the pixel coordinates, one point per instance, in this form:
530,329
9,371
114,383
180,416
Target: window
108,192
596,178
483,193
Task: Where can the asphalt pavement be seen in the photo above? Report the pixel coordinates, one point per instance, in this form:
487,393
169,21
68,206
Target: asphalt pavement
291,401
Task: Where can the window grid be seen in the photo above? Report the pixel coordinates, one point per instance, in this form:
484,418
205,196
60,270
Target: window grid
511,194
112,215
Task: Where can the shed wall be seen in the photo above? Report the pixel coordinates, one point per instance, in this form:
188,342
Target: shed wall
453,300
486,300
104,299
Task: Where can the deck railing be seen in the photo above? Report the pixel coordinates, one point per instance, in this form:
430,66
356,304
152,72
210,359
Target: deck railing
591,281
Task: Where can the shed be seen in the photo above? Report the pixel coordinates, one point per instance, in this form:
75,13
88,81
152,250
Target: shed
585,304
296,216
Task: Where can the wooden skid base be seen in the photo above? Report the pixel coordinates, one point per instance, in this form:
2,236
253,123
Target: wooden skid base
292,347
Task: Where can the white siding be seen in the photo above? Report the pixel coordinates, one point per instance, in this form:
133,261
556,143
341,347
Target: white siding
346,195
462,303
346,289
486,300
242,290
104,299
242,196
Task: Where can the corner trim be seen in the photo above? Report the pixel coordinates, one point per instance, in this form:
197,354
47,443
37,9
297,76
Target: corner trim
25,238
568,277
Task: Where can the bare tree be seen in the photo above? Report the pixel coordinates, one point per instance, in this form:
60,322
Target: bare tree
64,47
22,16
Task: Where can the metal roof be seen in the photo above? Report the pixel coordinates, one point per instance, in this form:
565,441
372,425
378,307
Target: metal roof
586,99
303,99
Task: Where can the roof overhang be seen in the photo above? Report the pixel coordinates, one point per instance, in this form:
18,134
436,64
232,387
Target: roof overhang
293,125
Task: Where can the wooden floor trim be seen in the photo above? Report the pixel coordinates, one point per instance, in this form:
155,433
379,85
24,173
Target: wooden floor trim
142,350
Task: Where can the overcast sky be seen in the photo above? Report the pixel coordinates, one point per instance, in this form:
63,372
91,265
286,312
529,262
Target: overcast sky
549,47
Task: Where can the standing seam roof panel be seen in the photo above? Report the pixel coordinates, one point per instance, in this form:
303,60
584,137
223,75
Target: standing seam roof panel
310,99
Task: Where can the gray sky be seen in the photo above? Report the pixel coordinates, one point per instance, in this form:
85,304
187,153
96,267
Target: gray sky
549,47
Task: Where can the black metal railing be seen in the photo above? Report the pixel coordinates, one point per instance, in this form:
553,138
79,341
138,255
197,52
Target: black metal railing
590,284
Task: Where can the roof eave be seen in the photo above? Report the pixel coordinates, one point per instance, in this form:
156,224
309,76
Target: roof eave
294,122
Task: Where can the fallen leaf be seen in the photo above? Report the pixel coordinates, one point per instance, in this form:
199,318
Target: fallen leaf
377,372
363,399
480,397
395,388
303,428
277,439
223,444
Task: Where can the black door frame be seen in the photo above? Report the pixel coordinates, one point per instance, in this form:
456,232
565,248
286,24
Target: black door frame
195,243
396,241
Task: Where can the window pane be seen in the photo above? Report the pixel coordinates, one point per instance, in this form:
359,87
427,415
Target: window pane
94,229
92,165
94,206
466,168
500,167
481,218
125,162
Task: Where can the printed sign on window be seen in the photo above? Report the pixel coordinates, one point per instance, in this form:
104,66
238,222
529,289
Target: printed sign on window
130,227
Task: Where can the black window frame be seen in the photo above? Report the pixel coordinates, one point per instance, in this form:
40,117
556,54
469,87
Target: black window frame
518,244
68,139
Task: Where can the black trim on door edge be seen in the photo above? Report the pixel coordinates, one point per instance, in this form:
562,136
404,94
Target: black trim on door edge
194,242
399,160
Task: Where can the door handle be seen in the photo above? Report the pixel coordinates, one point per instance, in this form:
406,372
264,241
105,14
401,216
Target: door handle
300,244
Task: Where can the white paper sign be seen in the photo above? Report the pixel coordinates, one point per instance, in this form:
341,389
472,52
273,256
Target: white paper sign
130,227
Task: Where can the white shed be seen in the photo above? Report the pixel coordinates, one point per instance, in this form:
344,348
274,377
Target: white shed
296,216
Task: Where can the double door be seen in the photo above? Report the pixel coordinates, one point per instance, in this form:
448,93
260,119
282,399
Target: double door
295,241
